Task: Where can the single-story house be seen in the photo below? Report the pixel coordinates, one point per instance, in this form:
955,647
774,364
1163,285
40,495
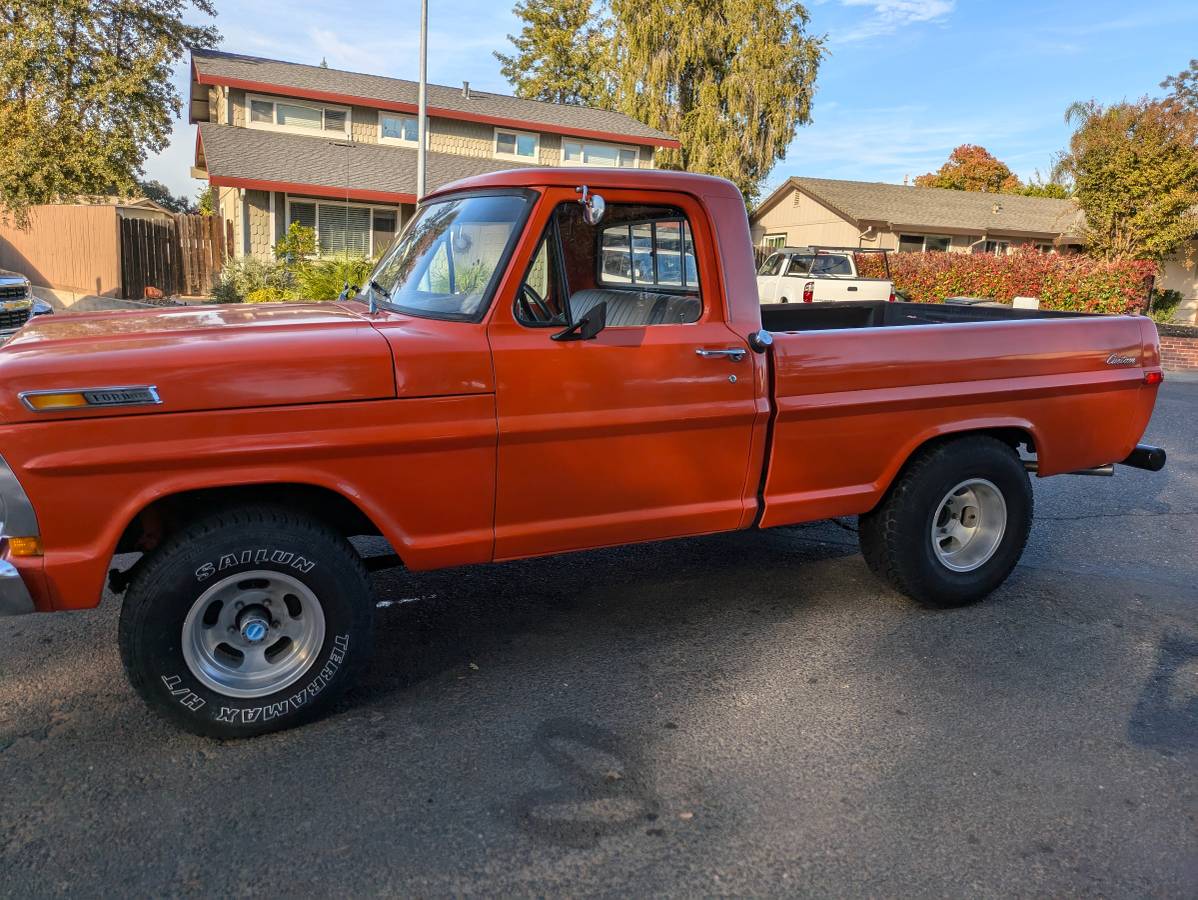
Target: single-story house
283,142
830,212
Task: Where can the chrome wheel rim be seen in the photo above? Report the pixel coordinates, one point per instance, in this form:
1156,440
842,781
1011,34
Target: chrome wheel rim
969,524
252,634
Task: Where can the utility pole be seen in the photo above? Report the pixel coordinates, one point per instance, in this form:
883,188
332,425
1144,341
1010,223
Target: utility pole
421,103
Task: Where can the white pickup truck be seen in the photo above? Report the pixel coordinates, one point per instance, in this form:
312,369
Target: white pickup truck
823,274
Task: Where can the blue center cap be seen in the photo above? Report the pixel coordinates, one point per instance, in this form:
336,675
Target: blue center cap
253,630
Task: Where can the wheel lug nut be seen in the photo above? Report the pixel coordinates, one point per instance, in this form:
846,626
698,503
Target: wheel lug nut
238,605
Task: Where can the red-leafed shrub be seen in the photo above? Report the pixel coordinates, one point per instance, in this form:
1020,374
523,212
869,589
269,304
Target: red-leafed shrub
1075,283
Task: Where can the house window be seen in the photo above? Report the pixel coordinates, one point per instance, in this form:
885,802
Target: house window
299,117
349,229
579,153
996,248
774,241
516,145
924,243
1046,248
398,129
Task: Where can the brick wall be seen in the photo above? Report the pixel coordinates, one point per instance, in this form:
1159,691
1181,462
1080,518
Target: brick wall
1179,347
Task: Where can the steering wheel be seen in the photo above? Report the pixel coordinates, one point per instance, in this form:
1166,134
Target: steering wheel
532,305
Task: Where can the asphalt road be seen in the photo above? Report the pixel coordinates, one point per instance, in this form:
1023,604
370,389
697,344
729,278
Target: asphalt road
748,714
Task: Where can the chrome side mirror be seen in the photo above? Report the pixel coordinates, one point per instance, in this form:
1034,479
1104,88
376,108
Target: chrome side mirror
593,205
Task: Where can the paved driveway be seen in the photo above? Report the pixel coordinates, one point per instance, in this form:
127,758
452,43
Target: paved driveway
749,714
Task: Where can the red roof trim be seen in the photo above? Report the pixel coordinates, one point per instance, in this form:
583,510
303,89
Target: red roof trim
312,190
503,122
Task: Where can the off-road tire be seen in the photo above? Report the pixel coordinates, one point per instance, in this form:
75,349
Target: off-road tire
896,536
244,539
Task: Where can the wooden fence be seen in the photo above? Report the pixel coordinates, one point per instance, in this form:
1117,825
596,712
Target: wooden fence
102,250
180,255
72,248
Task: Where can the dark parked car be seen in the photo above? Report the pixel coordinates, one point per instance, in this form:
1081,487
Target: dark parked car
17,303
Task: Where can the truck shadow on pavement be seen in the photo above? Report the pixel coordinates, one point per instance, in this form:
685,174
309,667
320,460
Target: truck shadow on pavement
433,623
1166,715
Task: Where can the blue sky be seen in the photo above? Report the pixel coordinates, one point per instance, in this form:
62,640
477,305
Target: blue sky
906,81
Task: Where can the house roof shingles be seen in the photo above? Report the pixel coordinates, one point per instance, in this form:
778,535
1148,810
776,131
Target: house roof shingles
215,67
931,208
237,156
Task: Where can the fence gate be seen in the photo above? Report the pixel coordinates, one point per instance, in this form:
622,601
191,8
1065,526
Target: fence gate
180,255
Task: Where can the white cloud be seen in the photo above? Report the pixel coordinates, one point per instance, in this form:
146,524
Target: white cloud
888,16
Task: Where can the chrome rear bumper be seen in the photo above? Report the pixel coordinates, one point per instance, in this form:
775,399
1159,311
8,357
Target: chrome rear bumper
15,599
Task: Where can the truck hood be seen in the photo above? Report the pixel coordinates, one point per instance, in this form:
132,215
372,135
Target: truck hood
198,358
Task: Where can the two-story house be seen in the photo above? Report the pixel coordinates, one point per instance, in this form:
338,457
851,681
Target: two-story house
283,142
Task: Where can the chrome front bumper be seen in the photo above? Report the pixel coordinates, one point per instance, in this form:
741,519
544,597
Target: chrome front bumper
15,599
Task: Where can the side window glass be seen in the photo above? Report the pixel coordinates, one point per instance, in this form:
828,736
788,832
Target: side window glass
540,301
799,265
668,247
642,254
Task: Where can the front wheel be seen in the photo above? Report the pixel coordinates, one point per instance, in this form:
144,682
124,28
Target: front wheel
954,524
251,620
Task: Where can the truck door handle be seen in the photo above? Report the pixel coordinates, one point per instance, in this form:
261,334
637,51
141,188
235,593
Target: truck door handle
736,354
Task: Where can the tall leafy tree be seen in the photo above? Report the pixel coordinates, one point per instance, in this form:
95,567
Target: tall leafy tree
973,168
1183,88
161,194
1135,173
562,53
86,93
732,79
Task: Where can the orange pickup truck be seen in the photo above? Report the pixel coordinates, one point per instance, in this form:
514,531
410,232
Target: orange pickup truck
544,361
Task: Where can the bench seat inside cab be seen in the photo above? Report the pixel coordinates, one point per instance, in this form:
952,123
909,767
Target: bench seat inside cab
637,307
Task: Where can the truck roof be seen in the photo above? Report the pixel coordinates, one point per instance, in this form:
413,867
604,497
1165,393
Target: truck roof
629,179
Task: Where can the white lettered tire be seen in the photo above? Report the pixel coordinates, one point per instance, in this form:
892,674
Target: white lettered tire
251,620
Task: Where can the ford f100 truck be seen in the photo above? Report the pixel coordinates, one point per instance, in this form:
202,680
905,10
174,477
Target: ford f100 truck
504,387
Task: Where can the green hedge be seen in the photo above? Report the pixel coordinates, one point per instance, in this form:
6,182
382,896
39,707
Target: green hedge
1065,282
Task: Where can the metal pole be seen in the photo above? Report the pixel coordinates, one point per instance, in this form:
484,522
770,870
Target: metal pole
421,102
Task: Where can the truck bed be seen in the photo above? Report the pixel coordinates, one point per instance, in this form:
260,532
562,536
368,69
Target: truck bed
851,405
790,317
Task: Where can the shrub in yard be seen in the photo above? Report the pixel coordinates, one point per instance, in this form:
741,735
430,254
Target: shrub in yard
1076,283
1164,306
241,277
324,279
265,295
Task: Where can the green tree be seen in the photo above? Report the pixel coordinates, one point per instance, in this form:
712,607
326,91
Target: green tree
86,93
731,79
161,194
561,54
1135,173
206,201
973,168
1056,186
1183,88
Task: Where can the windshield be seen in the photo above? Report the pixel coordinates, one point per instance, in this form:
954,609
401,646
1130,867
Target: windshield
448,256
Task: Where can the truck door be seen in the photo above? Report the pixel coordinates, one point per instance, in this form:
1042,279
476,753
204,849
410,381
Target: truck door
767,278
644,431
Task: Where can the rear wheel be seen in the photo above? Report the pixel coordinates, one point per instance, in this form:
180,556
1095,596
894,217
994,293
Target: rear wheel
954,524
251,620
